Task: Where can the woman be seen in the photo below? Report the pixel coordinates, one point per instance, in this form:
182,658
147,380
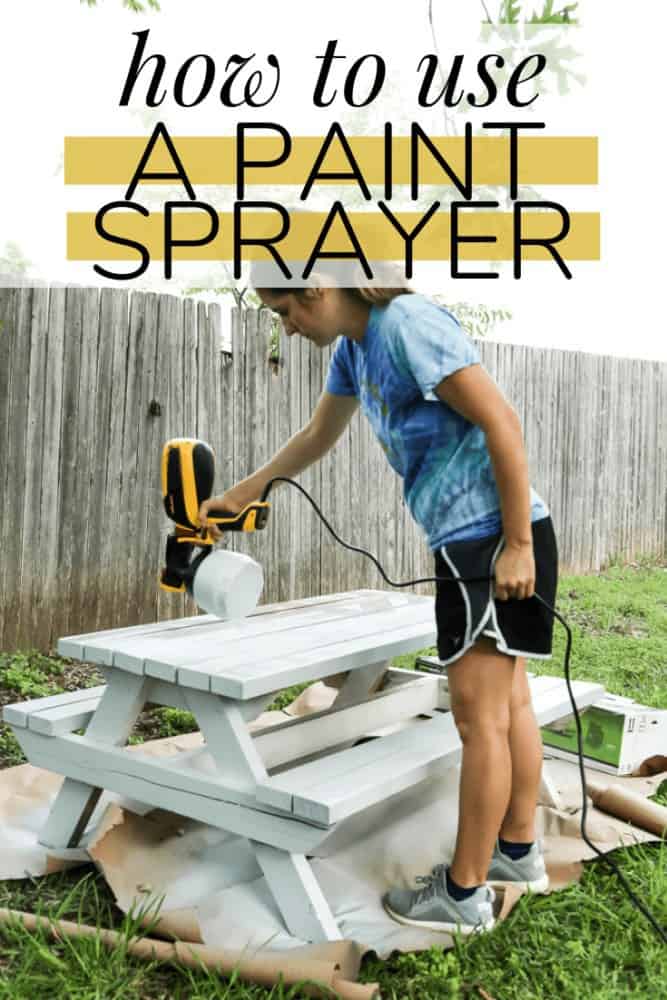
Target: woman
457,443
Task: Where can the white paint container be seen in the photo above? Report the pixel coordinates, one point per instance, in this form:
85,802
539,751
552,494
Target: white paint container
228,584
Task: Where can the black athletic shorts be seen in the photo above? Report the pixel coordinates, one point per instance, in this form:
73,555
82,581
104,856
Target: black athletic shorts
466,611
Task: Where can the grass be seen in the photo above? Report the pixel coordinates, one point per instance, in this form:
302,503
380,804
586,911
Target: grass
587,941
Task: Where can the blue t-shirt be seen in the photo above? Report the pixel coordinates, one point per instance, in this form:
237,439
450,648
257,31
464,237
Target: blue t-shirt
409,346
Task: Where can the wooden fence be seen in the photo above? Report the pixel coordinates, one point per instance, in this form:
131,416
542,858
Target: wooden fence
92,383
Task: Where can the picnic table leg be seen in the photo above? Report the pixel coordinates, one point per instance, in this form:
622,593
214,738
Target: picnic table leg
112,723
297,894
358,684
289,876
230,744
549,794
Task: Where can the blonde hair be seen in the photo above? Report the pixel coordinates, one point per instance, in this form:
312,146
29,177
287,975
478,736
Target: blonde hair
393,282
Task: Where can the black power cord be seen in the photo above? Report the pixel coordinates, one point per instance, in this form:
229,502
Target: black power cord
568,645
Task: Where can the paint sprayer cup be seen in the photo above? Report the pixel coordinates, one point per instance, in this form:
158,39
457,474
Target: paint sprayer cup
228,584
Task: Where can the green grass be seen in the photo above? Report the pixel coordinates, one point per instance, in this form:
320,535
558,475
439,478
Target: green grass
33,966
587,941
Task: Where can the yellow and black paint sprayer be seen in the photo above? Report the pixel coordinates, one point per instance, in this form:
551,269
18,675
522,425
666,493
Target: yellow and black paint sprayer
228,584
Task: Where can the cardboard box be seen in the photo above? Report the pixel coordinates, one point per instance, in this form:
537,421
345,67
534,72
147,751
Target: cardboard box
617,735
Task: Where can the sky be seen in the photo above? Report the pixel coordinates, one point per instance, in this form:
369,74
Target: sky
72,88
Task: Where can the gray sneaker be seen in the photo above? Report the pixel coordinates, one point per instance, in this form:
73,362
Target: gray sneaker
433,908
528,873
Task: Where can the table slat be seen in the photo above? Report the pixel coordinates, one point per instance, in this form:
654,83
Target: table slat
243,640
351,654
73,646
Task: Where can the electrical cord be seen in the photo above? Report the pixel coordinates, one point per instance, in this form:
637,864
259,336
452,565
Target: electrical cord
568,645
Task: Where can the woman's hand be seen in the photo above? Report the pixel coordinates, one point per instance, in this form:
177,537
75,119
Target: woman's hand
232,501
515,572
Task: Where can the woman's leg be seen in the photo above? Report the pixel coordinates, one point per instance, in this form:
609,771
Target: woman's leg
526,750
480,690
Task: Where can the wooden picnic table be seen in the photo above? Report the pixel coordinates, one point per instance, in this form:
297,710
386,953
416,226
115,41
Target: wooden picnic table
285,787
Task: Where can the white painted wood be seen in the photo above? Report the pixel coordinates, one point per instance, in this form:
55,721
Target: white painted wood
336,656
195,771
227,737
337,726
549,793
336,786
363,774
358,684
418,759
228,784
397,676
173,647
74,645
296,891
19,714
253,707
287,833
239,643
64,719
74,804
120,704
361,683
159,693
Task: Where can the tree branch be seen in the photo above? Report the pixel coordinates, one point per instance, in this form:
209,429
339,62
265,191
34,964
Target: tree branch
486,11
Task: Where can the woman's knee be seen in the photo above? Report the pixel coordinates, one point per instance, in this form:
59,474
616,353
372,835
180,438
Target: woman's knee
488,726
480,692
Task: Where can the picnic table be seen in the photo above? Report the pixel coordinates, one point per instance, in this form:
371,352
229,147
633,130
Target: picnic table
284,788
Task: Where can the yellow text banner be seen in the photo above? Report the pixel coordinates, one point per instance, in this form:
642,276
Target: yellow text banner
212,160
377,236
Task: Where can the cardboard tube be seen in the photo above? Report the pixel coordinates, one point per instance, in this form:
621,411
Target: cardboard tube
629,806
652,765
263,970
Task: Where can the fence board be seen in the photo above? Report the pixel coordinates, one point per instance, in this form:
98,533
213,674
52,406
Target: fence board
148,505
72,489
130,537
283,534
31,571
7,346
170,367
13,526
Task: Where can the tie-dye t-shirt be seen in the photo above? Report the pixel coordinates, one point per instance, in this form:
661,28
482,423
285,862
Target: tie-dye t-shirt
409,346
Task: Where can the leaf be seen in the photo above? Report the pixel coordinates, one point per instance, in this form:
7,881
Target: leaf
548,16
509,12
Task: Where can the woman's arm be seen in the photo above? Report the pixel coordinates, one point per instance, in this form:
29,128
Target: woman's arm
473,394
330,418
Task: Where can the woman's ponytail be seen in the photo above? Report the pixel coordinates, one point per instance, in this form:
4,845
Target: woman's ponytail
379,296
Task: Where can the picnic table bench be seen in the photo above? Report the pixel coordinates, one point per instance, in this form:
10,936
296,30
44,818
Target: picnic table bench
283,788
